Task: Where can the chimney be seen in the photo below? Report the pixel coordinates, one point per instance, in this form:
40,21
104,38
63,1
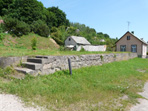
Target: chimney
132,32
141,38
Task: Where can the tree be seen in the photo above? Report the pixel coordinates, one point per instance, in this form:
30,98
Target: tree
16,27
60,15
27,10
4,5
40,28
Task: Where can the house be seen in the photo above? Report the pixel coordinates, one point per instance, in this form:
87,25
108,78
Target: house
130,43
77,43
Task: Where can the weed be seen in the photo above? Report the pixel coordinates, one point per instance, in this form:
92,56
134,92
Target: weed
82,49
34,43
101,58
115,56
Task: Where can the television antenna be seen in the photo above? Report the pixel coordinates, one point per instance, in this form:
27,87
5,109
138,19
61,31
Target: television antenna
128,22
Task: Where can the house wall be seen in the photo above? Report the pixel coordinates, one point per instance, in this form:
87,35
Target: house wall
69,42
144,52
128,43
95,48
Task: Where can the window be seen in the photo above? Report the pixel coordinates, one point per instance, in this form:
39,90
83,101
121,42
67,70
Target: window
134,48
128,37
69,39
123,48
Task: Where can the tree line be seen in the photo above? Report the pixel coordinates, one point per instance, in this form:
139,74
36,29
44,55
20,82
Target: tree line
24,16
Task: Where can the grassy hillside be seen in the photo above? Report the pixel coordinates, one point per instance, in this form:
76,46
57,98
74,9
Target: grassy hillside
110,87
21,46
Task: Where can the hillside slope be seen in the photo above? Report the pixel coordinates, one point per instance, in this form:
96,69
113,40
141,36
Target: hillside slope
20,46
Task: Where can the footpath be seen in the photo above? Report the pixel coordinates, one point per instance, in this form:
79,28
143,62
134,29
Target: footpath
143,103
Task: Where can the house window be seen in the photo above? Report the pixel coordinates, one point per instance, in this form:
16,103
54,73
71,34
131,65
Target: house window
123,48
128,37
69,39
134,48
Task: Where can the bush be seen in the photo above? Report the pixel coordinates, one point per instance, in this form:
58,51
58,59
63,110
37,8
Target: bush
40,28
16,27
34,43
82,49
2,36
22,28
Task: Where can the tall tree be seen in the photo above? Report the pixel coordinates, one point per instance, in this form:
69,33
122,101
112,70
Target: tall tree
60,16
4,4
27,10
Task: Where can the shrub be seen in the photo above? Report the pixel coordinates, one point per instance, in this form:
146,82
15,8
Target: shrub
40,28
16,27
82,49
2,35
22,28
34,43
101,58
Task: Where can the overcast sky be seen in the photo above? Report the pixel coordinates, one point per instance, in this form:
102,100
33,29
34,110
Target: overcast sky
107,16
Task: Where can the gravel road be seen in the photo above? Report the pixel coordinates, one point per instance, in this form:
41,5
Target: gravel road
143,106
13,103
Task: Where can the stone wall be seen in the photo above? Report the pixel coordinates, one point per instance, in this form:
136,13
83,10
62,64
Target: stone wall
56,63
52,64
8,61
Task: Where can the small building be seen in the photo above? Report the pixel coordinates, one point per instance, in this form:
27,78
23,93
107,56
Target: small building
77,43
130,43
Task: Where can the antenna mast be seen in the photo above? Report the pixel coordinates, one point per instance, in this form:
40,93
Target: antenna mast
128,24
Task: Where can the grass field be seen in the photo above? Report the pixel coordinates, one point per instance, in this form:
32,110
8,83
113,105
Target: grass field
15,46
110,87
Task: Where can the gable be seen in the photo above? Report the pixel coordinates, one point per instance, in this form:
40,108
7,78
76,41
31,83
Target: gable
133,39
70,41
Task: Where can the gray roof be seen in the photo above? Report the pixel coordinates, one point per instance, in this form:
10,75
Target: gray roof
80,40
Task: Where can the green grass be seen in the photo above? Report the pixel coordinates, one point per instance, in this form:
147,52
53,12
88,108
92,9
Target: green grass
91,88
14,46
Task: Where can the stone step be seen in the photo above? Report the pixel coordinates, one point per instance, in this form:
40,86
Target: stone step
33,66
43,57
24,70
37,60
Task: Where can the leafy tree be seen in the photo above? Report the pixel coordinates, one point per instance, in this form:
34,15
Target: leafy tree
40,28
16,27
4,5
60,17
27,10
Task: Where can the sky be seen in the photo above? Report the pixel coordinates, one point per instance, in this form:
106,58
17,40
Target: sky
107,16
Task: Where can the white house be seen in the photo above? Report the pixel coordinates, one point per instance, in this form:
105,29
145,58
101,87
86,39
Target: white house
77,43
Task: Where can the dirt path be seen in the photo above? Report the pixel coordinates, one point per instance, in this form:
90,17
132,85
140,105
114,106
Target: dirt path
143,106
13,103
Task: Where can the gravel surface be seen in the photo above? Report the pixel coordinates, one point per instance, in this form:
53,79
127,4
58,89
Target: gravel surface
143,103
13,103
